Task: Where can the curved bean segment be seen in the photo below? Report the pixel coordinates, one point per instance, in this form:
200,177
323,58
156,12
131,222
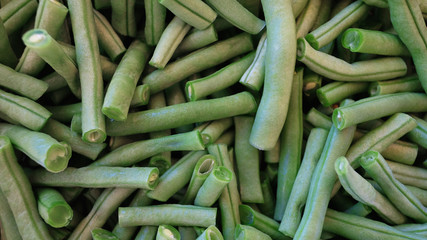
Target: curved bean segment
340,70
384,105
279,70
398,194
18,192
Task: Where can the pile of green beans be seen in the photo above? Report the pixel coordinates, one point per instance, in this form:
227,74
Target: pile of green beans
213,120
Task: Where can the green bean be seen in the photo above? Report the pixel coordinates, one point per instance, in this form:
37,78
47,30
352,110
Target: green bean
175,177
122,86
322,183
48,152
105,205
307,18
407,20
211,233
405,84
411,181
123,17
53,208
331,29
100,4
108,39
173,214
135,152
167,232
175,95
318,119
323,14
202,170
219,80
337,91
213,186
82,21
362,191
182,114
195,13
298,197
359,209
290,147
50,16
230,199
359,228
340,70
244,232
385,105
373,42
420,229
419,134
39,41
8,226
8,57
196,39
397,193
155,15
261,222
147,233
237,15
402,152
211,131
102,234
17,190
187,233
405,171
98,177
76,123
141,96
16,14
279,69
267,208
197,61
253,78
273,155
227,138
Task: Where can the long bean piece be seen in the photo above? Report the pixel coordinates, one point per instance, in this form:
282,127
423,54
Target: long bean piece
18,192
337,91
155,16
87,50
16,14
196,39
9,228
405,84
279,69
253,78
123,17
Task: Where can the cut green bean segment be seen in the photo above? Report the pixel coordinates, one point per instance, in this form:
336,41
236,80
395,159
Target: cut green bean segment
197,39
102,234
221,79
9,229
24,111
253,77
322,183
417,228
406,84
211,131
194,12
53,208
244,232
121,90
105,205
307,18
212,188
108,39
202,170
404,172
419,134
407,20
337,91
279,72
237,15
141,96
167,232
298,197
135,152
379,106
8,57
364,192
273,155
172,214
98,177
147,233
88,62
402,152
318,119
411,181
359,228
182,114
39,41
155,17
291,139
211,233
76,123
373,42
17,190
22,84
359,209
268,206
298,6
171,37
397,193
328,31
340,70
255,219
48,152
176,177
123,17
197,61
187,233
16,14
